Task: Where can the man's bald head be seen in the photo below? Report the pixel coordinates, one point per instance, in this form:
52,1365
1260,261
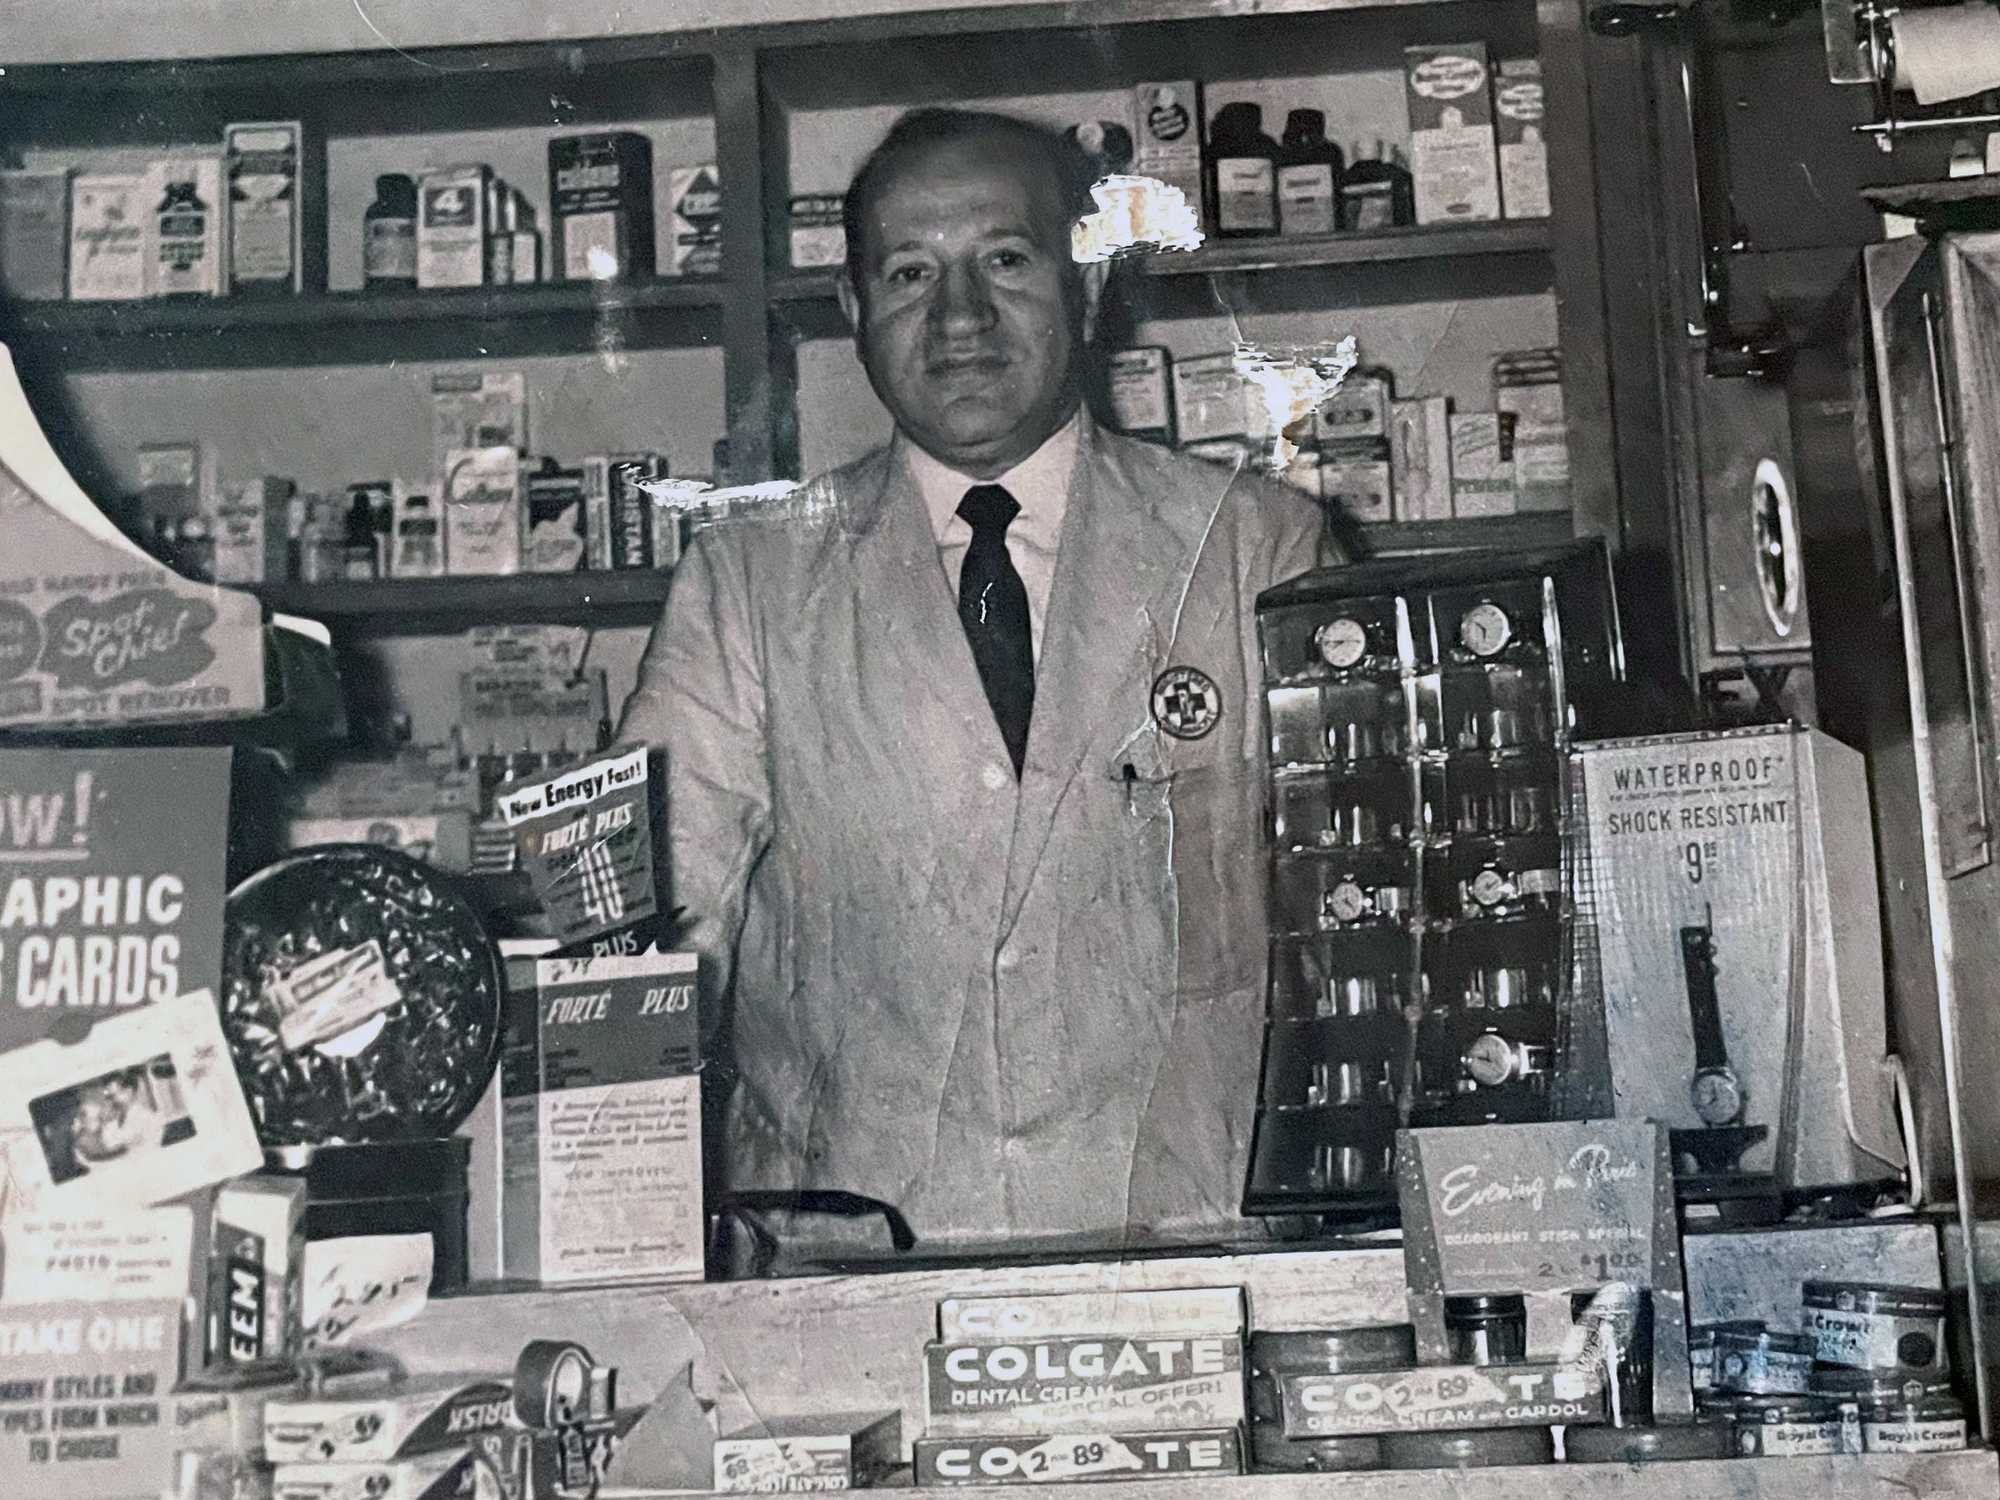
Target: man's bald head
923,132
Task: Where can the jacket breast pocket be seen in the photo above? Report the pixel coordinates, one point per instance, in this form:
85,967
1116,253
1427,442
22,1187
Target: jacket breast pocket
1205,815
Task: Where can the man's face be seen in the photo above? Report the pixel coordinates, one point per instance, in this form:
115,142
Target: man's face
970,314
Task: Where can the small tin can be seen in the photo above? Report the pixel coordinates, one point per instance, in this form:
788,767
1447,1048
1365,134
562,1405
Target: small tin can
1391,1346
1487,1330
1498,1448
1763,1363
1871,1327
1926,1424
1701,1349
1709,1436
1786,1426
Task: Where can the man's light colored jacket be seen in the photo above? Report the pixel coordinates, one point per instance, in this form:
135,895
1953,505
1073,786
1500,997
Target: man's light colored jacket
1016,1012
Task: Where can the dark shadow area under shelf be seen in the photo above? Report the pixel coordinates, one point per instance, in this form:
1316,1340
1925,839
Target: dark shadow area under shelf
368,327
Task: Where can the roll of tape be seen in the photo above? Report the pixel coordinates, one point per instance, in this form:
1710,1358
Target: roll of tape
551,1382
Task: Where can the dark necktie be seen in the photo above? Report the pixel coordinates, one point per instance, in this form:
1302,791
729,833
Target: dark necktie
993,604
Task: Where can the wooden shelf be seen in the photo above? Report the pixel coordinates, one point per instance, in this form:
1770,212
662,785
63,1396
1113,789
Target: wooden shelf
1444,242
1545,528
626,597
338,327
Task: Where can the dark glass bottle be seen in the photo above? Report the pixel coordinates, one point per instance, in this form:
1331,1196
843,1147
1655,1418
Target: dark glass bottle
1377,193
389,234
1309,171
1242,171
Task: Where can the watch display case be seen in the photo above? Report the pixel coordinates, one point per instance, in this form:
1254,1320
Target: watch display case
1418,715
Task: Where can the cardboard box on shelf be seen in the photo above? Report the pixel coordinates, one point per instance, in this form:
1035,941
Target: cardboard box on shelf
263,167
1211,400
434,1414
1051,1315
1518,109
818,231
1069,1384
1078,1456
184,227
1355,477
694,221
476,409
601,206
1452,154
1482,465
790,1455
483,514
249,524
452,226
1140,382
1166,137
107,237
34,235
256,1259
601,1151
1420,458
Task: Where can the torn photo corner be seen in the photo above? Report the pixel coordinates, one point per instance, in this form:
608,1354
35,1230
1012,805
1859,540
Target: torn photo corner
146,1108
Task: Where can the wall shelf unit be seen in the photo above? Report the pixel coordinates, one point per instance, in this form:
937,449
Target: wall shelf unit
751,83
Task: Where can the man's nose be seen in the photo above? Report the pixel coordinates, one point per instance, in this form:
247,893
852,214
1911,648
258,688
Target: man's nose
963,304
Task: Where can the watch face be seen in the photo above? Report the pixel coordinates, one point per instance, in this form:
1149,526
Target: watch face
1341,642
1488,887
1484,630
1717,1096
1346,901
1489,1058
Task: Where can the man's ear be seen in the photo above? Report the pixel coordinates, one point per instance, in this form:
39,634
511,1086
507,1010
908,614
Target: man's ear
1094,275
850,302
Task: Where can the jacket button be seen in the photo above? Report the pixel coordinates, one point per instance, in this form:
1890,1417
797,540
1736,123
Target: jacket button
993,776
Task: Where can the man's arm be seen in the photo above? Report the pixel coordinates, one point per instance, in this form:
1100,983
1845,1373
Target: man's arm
700,698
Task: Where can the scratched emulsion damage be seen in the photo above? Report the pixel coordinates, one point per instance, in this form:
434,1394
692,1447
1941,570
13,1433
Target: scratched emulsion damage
1134,215
773,499
1294,383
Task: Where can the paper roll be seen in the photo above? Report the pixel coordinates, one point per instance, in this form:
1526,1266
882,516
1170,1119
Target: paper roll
1947,51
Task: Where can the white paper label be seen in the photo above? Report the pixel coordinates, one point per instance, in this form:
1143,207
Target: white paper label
330,1001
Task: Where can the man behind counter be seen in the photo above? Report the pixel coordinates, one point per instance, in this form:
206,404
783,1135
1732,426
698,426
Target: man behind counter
964,772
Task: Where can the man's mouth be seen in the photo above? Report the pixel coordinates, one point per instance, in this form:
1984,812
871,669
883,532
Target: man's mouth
976,363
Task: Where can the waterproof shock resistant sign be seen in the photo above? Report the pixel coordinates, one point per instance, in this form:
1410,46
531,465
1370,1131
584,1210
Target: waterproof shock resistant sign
111,882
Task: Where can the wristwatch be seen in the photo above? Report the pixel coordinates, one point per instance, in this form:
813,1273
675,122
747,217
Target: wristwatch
1341,643
1715,1091
1491,1060
1349,903
1485,630
1495,888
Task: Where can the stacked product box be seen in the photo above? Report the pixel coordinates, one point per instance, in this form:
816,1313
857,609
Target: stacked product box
1085,1385
601,1144
799,1455
1452,149
1352,429
410,1443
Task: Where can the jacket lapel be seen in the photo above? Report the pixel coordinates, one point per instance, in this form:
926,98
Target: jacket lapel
906,606
1121,568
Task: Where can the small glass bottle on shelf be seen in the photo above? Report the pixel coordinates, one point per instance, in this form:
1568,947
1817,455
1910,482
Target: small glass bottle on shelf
389,235
1243,172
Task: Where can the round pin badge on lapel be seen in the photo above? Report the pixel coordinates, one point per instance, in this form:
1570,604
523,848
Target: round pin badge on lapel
1186,702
